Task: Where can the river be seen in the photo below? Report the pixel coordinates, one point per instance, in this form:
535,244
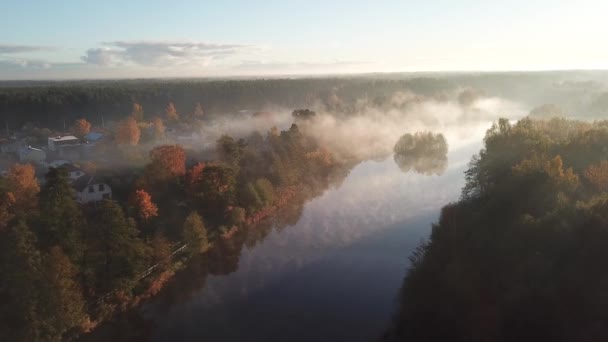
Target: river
330,275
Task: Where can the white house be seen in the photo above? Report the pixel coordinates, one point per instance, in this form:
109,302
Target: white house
73,172
55,143
32,155
90,189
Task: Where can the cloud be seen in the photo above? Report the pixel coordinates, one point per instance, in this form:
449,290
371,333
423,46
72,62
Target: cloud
159,54
10,48
24,63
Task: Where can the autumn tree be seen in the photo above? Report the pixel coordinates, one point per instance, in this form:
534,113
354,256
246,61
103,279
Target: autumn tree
146,209
161,248
81,128
22,182
597,175
194,233
127,132
198,111
137,112
62,301
159,129
214,191
171,112
195,174
168,161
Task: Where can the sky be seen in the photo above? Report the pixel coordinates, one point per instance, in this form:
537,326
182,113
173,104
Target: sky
84,39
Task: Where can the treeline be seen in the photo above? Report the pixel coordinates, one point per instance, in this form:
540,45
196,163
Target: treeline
66,267
48,104
522,256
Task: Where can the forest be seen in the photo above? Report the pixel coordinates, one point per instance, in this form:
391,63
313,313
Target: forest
522,255
66,267
51,103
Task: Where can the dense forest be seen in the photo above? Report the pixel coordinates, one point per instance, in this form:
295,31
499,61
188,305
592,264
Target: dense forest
522,255
49,104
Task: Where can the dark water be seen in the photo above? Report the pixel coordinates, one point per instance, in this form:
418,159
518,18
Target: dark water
332,275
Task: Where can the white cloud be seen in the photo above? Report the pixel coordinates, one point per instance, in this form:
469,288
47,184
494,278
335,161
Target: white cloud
159,54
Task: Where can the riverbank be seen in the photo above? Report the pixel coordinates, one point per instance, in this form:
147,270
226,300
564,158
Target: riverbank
117,307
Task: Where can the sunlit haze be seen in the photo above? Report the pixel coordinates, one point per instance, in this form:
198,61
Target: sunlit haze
126,39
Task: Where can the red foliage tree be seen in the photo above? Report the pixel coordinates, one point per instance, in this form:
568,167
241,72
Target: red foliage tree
170,159
146,209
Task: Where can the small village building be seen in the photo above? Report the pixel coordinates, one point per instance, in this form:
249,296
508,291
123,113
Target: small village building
74,172
61,141
32,155
90,189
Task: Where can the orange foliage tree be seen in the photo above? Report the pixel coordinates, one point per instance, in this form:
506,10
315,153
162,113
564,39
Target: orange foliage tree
196,174
597,175
81,128
170,159
146,209
198,111
127,132
159,128
24,186
137,112
171,112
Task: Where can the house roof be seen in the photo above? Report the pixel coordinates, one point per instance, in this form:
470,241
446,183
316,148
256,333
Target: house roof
63,138
58,162
28,149
69,167
83,182
94,136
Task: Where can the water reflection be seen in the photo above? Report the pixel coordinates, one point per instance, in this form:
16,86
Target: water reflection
422,152
326,268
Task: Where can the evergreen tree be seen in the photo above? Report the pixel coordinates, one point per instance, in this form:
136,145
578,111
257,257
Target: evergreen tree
62,221
116,253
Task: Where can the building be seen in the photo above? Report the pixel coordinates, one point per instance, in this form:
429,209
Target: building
60,141
32,155
89,189
74,172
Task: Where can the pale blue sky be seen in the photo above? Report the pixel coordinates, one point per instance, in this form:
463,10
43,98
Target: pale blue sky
115,39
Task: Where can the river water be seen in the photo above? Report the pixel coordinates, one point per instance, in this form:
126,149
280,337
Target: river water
332,274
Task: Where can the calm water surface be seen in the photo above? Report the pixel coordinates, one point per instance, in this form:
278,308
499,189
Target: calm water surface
331,276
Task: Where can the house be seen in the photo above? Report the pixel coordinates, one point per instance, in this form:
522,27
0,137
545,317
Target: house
60,141
32,155
90,189
74,172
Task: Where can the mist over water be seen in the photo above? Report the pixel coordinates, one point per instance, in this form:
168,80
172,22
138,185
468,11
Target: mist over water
354,239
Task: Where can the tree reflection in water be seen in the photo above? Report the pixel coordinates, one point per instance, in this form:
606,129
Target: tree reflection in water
422,152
